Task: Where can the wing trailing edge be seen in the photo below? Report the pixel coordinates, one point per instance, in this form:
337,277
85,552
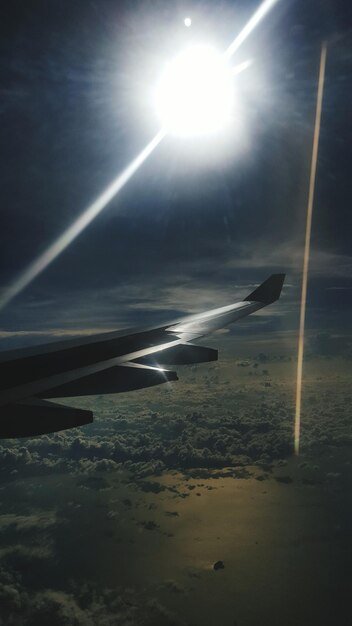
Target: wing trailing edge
183,354
127,377
37,417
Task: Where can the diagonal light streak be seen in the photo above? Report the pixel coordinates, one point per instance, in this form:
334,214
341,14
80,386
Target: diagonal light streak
313,171
64,240
261,12
241,67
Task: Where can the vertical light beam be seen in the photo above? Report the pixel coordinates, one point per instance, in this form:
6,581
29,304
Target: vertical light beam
64,240
261,12
313,170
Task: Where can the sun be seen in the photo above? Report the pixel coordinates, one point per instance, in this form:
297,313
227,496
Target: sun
195,93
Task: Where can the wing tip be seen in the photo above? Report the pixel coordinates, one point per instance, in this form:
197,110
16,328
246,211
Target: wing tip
269,291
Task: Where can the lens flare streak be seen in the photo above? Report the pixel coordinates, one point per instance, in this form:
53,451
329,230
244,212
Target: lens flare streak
241,67
70,234
313,171
257,17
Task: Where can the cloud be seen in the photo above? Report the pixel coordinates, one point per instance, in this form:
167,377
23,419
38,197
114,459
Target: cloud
191,286
82,605
148,444
217,416
331,345
25,524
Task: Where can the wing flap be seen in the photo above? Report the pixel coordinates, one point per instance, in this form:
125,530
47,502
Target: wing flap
183,354
127,377
37,417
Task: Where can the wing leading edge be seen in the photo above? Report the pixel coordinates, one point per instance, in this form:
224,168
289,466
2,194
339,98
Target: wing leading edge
107,363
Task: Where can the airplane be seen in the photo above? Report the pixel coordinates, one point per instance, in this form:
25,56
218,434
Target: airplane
107,363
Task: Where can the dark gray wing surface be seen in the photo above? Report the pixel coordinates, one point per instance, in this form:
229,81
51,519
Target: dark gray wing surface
107,363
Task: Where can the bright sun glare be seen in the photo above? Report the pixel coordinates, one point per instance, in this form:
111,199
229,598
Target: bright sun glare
195,93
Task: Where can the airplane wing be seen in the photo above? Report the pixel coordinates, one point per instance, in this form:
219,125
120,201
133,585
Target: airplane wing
107,363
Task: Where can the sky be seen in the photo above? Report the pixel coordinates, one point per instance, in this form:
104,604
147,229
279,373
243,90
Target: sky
202,219
121,521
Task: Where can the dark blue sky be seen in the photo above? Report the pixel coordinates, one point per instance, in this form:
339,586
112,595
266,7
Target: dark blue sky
202,219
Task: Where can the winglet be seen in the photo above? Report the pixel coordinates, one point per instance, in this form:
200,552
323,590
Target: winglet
268,291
